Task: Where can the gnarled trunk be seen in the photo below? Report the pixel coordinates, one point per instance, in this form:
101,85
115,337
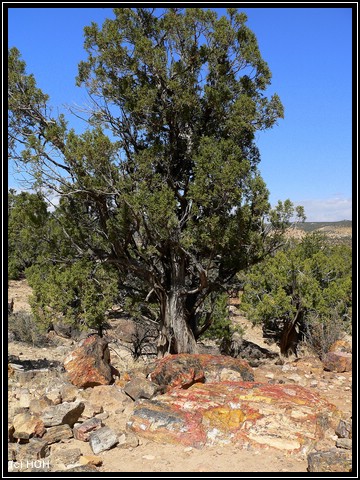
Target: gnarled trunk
176,335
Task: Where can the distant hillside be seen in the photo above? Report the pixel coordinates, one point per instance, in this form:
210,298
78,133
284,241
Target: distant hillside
337,232
311,226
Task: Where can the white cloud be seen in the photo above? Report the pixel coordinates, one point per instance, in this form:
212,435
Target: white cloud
331,209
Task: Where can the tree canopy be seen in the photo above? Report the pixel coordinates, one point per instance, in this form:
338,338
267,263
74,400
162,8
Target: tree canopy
164,185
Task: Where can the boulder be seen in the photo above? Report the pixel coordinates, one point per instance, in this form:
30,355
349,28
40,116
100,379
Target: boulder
89,364
344,429
183,370
177,371
287,417
337,362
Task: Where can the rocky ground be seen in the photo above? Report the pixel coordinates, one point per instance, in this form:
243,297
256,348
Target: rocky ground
135,453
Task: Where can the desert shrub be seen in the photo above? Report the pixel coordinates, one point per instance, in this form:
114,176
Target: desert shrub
303,292
321,333
24,328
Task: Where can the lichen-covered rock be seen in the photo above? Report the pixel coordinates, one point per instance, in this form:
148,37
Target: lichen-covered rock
287,417
338,362
185,369
330,461
89,364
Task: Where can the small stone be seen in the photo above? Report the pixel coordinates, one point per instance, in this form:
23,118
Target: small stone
345,443
36,448
27,426
128,440
344,429
188,449
83,431
338,362
90,460
148,457
102,439
140,388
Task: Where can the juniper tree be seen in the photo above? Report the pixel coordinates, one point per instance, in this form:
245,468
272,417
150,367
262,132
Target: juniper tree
164,185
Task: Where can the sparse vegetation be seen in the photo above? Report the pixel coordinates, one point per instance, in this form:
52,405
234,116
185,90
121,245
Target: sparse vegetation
24,328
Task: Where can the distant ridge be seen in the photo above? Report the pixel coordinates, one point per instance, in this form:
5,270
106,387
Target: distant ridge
310,226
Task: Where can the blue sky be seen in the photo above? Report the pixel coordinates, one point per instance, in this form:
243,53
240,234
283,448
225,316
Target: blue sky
307,157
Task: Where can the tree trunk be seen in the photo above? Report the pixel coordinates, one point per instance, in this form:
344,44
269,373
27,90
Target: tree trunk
176,335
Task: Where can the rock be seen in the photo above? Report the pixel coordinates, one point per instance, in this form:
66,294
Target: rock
90,460
337,362
34,450
68,392
183,370
66,456
330,461
102,439
140,388
89,364
54,396
65,330
287,417
177,371
25,398
109,395
38,405
219,368
128,440
57,433
82,431
238,347
344,429
27,426
67,412
12,452
341,346
345,443
125,330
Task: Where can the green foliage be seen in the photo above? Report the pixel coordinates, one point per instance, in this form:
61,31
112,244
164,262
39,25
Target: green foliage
309,281
176,202
27,224
78,293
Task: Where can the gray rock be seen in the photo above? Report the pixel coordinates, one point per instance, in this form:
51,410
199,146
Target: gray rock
344,429
102,439
140,388
67,412
345,443
330,461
